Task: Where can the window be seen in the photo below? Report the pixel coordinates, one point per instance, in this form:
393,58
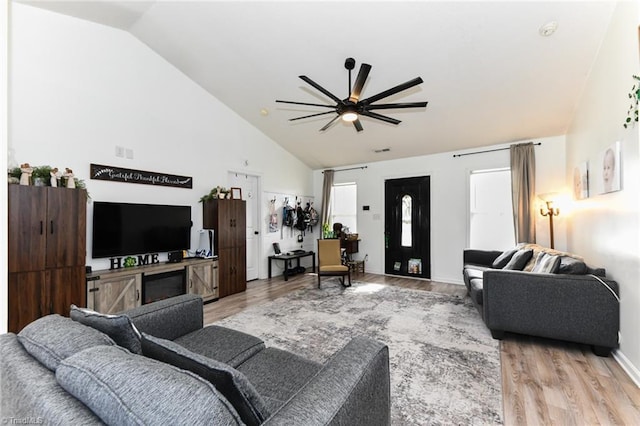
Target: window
343,205
491,211
405,237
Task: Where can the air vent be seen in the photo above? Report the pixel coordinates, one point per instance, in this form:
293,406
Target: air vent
378,151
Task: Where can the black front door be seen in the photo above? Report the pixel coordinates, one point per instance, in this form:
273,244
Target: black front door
407,227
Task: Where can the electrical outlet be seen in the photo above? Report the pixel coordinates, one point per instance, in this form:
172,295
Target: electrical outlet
120,151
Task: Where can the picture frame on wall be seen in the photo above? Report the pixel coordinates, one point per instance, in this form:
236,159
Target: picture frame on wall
236,193
607,169
581,181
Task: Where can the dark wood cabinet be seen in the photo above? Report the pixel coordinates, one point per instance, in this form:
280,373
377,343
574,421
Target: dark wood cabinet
46,252
228,219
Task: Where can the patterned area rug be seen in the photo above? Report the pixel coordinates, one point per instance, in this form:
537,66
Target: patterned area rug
445,367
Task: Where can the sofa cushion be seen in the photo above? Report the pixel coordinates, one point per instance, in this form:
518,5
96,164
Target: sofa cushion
571,265
124,388
118,327
546,263
53,338
475,291
222,344
503,259
231,383
519,259
278,375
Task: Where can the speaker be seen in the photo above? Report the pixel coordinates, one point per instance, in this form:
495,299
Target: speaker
175,256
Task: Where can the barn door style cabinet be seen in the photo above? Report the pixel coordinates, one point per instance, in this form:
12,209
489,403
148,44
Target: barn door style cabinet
46,252
228,220
117,290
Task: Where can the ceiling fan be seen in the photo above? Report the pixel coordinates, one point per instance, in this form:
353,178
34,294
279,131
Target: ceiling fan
351,108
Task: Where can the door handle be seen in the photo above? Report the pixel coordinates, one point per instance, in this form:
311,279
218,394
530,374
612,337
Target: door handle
51,227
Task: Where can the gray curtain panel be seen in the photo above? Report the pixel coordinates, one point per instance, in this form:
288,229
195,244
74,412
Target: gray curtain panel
523,190
326,196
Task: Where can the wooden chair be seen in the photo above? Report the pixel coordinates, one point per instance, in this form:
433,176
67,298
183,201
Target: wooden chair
330,261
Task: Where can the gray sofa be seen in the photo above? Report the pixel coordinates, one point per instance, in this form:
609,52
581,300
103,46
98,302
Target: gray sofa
576,303
167,368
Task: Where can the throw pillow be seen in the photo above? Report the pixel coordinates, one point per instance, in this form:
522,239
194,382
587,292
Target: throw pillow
571,265
519,260
53,338
503,259
546,264
231,383
118,327
128,389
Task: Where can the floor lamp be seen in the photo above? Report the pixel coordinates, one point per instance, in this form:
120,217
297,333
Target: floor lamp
551,212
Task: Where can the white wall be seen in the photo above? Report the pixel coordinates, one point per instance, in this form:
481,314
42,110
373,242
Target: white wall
605,228
78,89
449,200
4,68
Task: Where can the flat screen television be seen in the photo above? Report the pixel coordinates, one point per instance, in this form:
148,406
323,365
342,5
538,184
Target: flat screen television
121,229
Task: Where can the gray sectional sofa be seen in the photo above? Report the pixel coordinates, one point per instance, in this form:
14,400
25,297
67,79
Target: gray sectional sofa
157,364
569,301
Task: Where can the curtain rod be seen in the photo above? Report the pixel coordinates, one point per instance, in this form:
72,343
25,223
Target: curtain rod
488,150
352,168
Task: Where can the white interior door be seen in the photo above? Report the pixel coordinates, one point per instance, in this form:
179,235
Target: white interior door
249,186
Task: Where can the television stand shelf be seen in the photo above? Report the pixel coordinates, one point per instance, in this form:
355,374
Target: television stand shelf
114,290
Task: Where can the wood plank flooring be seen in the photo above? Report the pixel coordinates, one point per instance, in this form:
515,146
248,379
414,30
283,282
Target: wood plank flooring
544,382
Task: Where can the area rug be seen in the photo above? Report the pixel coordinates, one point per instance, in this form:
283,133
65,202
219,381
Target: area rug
445,367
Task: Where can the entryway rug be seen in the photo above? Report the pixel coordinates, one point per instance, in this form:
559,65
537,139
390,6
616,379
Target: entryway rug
445,367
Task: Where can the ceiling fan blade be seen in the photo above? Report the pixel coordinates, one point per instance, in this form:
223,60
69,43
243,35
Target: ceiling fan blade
305,103
392,91
313,115
326,126
360,80
397,106
320,88
358,125
380,117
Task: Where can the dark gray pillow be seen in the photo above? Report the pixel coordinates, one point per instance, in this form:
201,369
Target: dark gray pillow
53,338
519,260
503,259
118,327
128,389
231,383
570,265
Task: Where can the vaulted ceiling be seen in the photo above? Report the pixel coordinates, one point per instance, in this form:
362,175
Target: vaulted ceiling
489,75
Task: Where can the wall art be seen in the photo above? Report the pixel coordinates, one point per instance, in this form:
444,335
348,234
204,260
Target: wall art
581,181
607,169
119,174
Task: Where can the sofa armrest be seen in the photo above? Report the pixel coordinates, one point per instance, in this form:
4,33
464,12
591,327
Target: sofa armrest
353,387
479,257
577,308
169,318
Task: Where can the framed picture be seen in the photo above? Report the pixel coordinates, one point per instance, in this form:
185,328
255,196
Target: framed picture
581,181
236,193
607,169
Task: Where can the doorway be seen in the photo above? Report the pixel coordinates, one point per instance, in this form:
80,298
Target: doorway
408,227
250,193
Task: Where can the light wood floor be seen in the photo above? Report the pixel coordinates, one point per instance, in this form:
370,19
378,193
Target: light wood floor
544,382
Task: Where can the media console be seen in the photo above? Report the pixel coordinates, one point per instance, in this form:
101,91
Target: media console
114,290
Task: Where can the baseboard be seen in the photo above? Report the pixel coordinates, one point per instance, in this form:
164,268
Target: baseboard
627,366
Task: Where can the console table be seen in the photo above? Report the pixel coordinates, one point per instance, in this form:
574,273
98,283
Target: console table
287,258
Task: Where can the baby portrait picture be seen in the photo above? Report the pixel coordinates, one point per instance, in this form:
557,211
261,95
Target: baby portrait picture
609,167
581,181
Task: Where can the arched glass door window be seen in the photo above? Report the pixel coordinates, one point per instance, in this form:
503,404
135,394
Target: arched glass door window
405,238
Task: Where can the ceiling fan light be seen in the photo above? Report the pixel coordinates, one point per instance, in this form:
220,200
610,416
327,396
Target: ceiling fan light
349,116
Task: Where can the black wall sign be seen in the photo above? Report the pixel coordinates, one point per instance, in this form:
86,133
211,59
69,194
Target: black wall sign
119,174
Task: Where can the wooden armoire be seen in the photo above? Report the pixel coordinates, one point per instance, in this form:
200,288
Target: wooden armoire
46,252
228,220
